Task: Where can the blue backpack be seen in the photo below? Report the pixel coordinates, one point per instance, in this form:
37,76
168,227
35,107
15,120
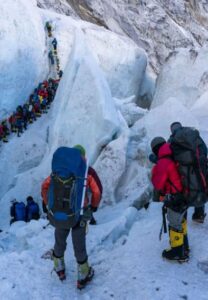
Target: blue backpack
32,211
66,190
19,211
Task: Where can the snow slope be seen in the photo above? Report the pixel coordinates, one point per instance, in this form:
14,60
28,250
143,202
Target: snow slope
123,248
158,121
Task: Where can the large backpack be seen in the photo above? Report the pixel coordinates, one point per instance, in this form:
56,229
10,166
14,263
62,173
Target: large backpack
190,152
32,211
18,211
67,187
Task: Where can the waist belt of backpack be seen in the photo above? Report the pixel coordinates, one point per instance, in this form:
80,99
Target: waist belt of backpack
199,170
173,185
70,215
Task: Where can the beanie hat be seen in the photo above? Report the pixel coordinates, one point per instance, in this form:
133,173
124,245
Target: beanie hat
157,141
175,126
81,149
29,198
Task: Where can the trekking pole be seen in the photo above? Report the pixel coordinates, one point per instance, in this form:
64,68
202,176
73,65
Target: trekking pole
84,190
164,224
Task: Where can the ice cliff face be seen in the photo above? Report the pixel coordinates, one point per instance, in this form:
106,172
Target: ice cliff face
158,26
184,76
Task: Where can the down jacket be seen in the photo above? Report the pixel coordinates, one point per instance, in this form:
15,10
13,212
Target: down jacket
165,176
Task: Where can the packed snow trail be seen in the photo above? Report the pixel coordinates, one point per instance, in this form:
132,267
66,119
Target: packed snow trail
129,267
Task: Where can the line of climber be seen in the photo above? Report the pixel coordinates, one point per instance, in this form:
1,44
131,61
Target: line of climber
53,51
39,102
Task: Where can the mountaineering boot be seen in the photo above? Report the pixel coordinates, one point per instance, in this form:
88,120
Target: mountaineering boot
59,267
85,274
199,215
176,252
5,140
185,238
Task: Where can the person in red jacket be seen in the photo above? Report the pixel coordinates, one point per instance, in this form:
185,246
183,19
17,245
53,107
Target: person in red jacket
167,182
85,272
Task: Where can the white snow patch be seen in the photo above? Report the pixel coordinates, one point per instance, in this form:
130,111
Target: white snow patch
200,108
113,158
158,120
130,110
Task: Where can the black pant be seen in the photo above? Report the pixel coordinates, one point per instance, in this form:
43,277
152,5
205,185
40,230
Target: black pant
78,240
199,211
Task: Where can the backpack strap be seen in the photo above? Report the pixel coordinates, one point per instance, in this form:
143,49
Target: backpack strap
64,181
201,175
173,185
166,156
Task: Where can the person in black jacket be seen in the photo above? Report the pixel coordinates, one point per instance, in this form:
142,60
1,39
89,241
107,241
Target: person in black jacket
199,212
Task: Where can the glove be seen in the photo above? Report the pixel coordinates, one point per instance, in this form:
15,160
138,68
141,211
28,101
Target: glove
87,213
94,209
146,205
176,202
44,207
156,196
168,201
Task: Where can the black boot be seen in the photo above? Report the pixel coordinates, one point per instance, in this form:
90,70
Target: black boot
176,252
199,215
93,221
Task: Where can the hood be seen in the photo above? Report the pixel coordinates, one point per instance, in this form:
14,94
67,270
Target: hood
165,150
